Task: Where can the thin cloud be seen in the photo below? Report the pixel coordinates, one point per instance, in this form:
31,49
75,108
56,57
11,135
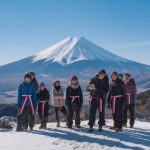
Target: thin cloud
131,45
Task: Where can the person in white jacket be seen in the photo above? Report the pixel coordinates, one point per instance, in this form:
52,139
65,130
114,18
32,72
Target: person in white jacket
58,101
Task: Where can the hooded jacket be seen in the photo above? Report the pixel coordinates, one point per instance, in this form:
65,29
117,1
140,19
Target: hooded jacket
27,89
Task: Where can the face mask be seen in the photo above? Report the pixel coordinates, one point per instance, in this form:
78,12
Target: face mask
27,81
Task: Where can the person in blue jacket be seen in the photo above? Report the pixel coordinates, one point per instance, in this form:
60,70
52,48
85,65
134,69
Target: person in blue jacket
27,102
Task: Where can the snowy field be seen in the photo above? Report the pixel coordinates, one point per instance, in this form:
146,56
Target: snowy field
77,139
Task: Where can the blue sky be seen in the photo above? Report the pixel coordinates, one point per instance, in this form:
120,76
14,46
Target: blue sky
29,26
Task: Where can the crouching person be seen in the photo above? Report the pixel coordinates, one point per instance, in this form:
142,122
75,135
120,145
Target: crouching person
74,101
98,89
27,102
116,100
43,98
58,101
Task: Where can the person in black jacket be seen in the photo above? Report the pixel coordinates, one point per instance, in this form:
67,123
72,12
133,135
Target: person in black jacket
98,89
43,98
116,101
74,101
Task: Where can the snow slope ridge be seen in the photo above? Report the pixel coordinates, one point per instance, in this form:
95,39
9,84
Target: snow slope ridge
73,49
77,139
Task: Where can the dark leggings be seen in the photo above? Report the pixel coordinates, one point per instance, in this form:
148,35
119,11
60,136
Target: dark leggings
62,109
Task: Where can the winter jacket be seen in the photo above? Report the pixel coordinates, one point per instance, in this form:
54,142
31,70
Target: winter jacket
27,89
43,95
57,97
131,91
101,87
116,88
74,95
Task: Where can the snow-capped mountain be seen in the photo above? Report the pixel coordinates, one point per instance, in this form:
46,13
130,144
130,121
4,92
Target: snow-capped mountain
73,49
70,56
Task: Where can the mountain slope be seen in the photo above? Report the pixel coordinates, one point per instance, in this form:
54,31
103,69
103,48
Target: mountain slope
77,139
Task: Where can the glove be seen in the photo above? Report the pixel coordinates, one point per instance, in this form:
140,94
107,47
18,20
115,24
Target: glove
91,87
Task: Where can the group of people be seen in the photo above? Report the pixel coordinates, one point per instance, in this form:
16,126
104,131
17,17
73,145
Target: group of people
120,95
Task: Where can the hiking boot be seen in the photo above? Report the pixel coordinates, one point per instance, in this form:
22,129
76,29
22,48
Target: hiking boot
77,126
41,126
131,126
69,127
19,130
124,125
112,128
118,129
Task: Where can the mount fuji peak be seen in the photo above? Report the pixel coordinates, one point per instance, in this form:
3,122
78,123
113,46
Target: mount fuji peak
73,49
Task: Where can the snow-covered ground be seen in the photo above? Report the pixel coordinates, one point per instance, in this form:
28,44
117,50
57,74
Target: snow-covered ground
77,139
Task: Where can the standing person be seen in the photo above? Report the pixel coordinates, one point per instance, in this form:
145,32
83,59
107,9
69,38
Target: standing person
131,91
58,101
98,89
27,102
105,95
43,98
74,101
116,99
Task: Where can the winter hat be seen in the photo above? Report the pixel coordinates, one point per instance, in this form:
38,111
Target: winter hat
102,72
56,82
114,73
127,74
74,78
120,76
42,84
27,76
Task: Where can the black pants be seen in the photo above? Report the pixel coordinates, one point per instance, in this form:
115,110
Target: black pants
117,116
62,109
43,116
25,119
93,110
74,108
129,107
